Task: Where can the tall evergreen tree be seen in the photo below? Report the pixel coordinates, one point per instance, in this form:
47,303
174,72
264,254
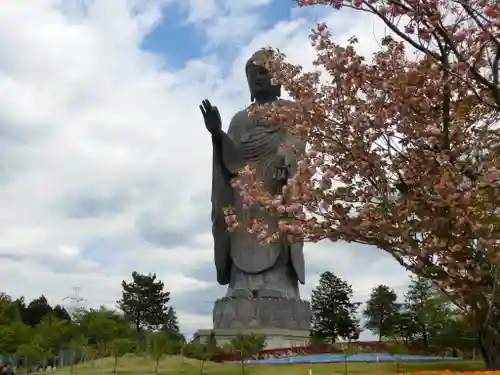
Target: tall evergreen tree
171,325
61,313
430,311
144,302
36,310
382,311
406,327
333,312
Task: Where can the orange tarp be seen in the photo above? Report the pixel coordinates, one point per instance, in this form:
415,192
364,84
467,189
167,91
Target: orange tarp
439,372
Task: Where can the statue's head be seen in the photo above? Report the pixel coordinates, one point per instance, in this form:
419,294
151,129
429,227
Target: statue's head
259,78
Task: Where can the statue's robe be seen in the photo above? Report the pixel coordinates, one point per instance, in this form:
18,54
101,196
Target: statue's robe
240,259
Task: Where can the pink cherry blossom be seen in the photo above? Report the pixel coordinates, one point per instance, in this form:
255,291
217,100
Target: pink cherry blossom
404,147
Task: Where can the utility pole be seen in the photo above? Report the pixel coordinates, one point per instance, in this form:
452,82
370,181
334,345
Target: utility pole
76,301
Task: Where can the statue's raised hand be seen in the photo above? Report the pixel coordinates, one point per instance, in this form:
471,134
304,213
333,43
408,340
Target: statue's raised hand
211,116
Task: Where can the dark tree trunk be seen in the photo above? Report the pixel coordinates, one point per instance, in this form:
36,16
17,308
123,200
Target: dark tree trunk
380,323
157,365
490,351
137,324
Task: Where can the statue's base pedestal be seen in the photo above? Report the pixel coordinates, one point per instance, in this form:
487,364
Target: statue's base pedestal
285,322
275,338
262,312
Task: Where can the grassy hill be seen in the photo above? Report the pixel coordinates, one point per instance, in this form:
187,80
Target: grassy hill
134,365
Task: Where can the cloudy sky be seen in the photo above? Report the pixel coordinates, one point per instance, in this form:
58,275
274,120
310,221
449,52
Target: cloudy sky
104,159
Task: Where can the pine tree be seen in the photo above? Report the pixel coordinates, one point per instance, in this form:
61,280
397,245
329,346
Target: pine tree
428,308
144,302
382,311
333,312
171,325
61,313
406,326
37,309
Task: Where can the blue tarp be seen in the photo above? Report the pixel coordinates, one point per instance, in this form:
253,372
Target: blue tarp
332,358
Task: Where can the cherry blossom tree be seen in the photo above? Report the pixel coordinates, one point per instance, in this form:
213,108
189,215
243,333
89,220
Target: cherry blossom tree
404,149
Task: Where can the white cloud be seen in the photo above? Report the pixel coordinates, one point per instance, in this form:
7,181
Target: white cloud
104,160
224,21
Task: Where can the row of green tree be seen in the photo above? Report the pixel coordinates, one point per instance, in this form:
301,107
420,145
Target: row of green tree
425,318
37,333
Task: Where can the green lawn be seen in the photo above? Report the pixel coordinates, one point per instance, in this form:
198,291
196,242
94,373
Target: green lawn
134,365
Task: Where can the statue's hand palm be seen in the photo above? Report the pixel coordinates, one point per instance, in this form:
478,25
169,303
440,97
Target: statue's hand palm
211,116
213,119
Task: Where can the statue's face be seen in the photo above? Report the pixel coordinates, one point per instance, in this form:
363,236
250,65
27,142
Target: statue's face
259,79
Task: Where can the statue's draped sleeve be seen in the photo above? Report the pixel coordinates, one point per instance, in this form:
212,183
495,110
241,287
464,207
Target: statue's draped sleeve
226,162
